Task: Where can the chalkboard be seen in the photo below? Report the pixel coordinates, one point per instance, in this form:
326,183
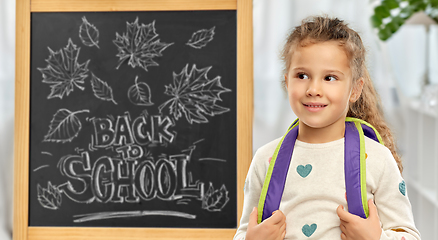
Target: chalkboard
133,119
133,146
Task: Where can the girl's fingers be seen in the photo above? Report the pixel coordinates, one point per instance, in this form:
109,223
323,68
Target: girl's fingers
282,232
342,214
283,235
343,228
346,216
277,218
253,218
343,236
283,228
344,222
373,209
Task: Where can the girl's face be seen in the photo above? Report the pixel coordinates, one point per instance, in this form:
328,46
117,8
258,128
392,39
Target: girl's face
319,85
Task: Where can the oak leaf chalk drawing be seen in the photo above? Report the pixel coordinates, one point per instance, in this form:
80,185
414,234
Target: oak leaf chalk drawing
88,34
64,126
215,200
201,37
140,94
139,45
49,197
101,89
194,95
63,71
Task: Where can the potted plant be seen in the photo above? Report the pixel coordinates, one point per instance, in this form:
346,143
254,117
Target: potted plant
390,15
415,53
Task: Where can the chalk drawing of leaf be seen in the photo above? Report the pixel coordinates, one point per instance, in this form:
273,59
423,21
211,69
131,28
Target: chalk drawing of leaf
200,38
140,94
194,95
63,71
64,126
88,33
215,200
139,45
49,197
101,89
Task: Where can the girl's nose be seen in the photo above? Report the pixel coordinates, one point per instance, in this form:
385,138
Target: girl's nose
314,89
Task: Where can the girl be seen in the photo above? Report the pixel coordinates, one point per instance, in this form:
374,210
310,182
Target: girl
327,82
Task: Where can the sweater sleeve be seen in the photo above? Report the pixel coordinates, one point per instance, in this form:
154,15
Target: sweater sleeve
393,204
253,187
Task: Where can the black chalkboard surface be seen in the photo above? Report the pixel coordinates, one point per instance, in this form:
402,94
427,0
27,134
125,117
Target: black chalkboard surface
133,119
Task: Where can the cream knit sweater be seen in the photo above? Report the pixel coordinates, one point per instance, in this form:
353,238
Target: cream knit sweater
315,186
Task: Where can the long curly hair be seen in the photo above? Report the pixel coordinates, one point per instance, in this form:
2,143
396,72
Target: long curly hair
368,107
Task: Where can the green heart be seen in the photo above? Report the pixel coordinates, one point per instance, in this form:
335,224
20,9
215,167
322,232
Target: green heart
304,171
309,230
402,187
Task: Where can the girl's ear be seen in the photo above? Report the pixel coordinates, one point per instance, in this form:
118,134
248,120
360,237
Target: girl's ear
285,81
357,90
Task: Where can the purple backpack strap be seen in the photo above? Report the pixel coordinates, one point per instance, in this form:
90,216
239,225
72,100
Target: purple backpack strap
280,162
352,171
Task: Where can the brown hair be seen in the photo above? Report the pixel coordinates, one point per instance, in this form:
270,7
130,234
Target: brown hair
368,106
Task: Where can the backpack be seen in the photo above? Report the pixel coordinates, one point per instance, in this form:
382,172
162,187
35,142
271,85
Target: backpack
354,168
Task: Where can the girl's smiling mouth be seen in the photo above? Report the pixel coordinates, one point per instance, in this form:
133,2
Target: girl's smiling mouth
314,107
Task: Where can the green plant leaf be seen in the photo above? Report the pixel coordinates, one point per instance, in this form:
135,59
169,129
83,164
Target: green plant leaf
384,34
390,4
400,21
414,1
420,6
393,26
433,3
406,12
376,21
382,11
396,20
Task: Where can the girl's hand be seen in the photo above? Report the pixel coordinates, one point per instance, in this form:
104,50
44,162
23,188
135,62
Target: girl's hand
356,228
273,228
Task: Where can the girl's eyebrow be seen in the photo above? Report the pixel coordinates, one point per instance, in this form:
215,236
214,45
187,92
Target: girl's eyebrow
336,71
299,69
327,71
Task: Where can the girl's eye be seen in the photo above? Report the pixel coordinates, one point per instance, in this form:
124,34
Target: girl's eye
302,76
330,78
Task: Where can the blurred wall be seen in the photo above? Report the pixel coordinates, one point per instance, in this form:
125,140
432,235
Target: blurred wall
7,60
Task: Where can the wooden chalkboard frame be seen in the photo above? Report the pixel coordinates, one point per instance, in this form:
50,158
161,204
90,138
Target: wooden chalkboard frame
24,8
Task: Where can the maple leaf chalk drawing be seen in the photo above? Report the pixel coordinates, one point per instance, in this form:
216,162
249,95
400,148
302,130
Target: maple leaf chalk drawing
139,45
64,126
88,34
63,71
215,200
201,37
49,197
194,95
140,94
101,89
